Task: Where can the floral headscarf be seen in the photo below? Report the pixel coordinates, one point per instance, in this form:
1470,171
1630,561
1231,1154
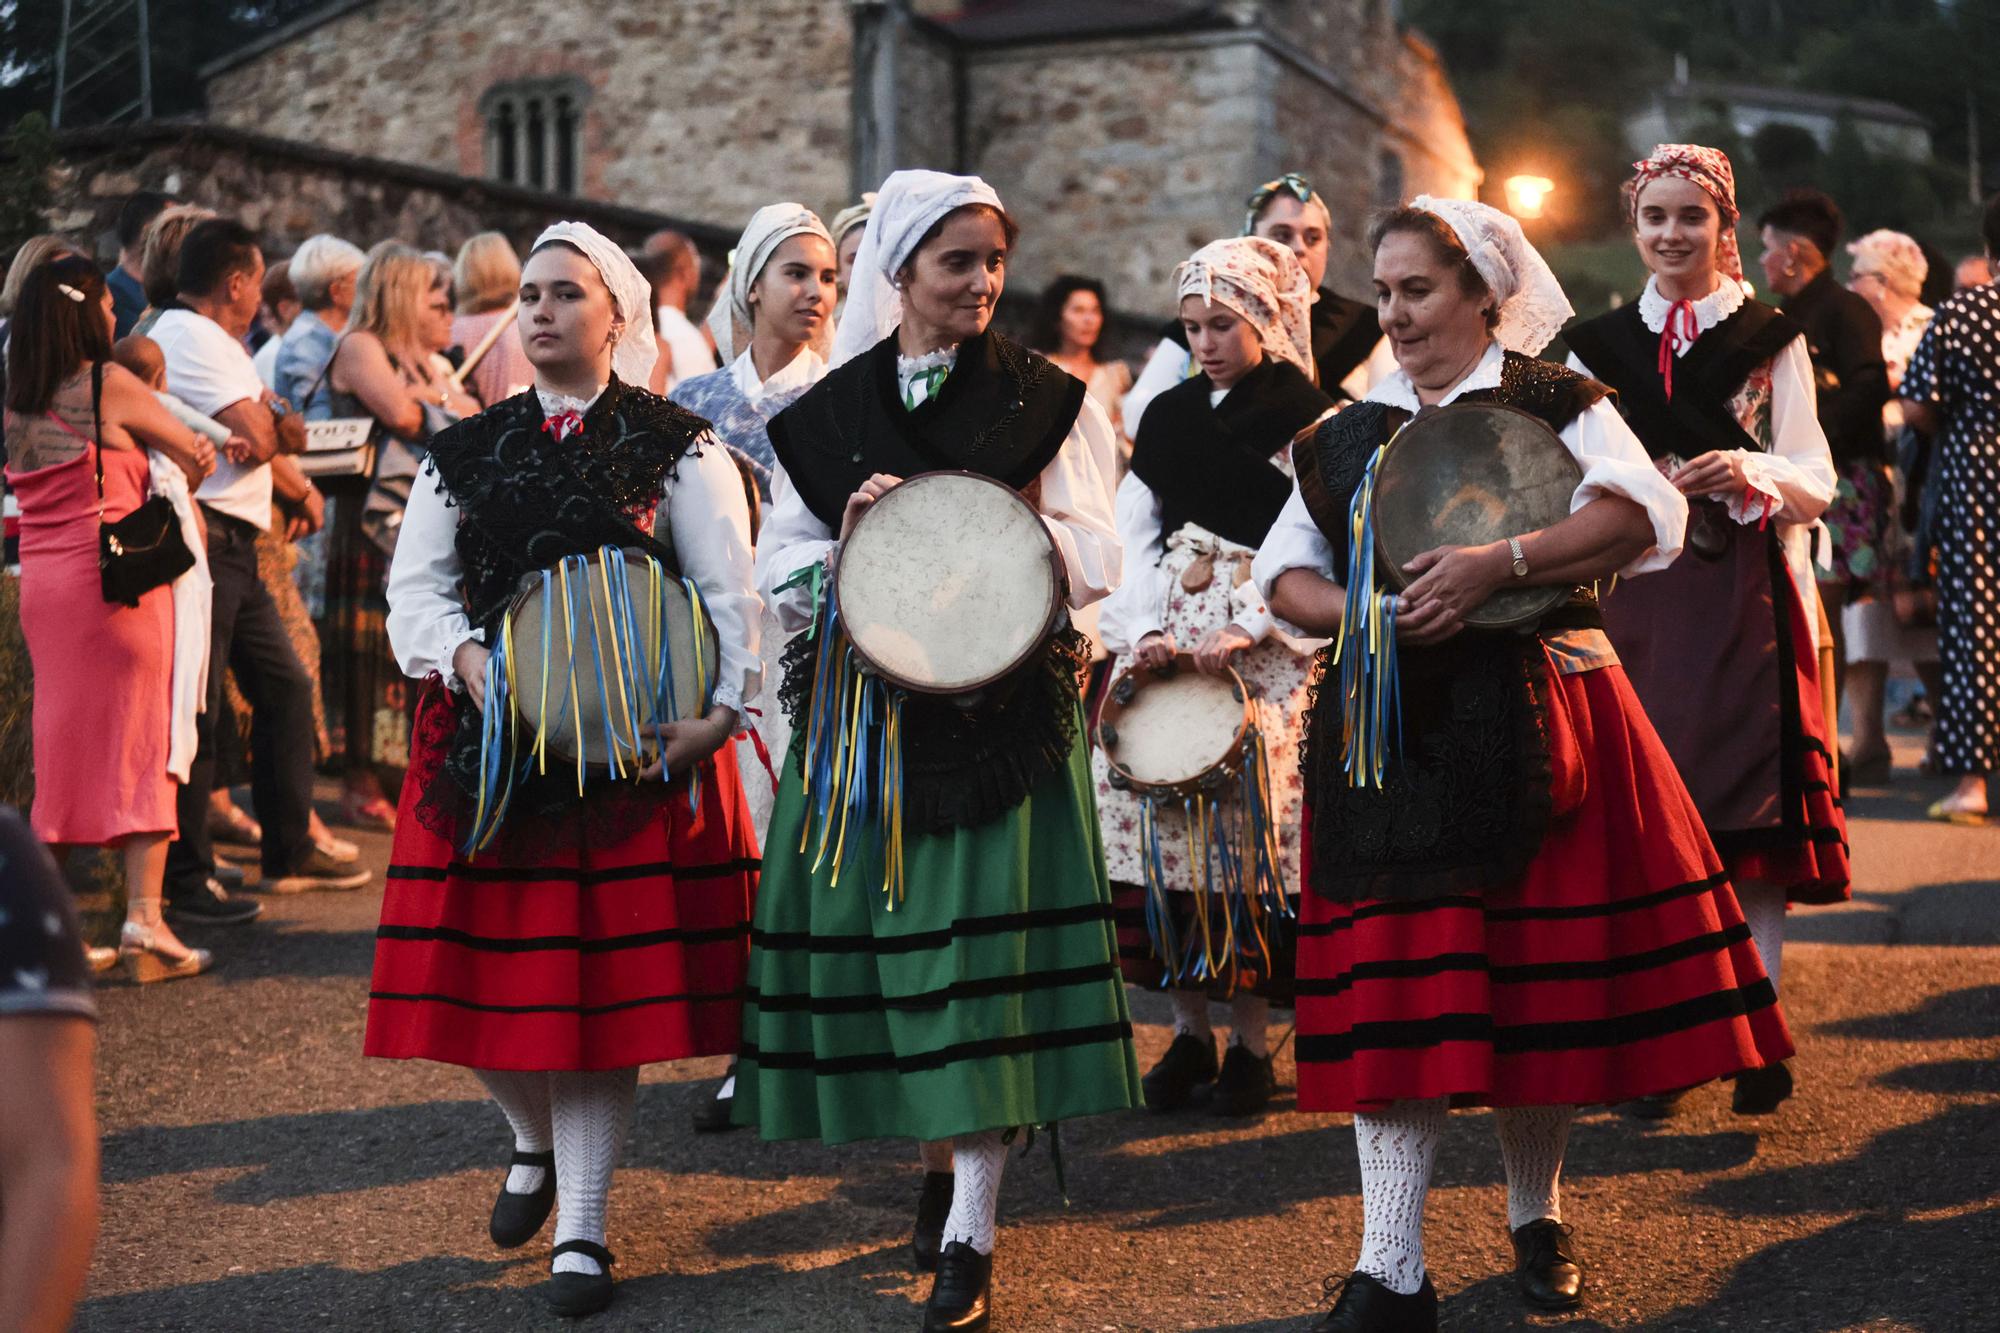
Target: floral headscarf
1261,281
1707,167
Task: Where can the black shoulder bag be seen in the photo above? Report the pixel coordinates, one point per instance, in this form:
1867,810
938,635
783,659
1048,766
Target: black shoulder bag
144,549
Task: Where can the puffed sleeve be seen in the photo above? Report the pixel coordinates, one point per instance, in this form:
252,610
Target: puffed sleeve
1294,542
1794,482
1077,503
1615,463
1166,367
791,539
427,621
710,518
1135,608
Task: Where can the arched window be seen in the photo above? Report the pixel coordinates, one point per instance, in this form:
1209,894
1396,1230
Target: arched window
534,132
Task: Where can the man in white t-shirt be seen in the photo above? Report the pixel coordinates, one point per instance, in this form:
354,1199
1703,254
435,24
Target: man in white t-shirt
674,268
201,339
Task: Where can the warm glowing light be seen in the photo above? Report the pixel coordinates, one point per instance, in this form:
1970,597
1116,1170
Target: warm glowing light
1527,194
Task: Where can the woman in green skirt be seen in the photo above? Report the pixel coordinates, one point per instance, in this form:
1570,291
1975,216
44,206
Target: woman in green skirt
986,994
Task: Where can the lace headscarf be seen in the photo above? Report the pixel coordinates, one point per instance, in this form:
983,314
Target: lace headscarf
1531,303
634,352
1261,281
1899,259
1707,167
909,204
854,215
730,318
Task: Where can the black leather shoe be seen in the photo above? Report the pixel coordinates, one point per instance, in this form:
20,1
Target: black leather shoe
962,1294
933,1207
1545,1266
1245,1085
1761,1091
712,1114
574,1295
1188,1064
1653,1106
1366,1306
517,1217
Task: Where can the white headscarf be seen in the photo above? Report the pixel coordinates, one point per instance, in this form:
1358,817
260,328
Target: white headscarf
1532,306
633,355
1261,281
908,205
729,319
854,215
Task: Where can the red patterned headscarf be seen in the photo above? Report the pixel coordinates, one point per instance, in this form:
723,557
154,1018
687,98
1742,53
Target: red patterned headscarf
1707,167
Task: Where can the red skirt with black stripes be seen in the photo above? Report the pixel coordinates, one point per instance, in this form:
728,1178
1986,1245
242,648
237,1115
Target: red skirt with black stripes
590,957
1617,965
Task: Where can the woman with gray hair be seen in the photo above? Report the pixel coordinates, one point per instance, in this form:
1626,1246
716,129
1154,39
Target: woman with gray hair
1889,272
324,273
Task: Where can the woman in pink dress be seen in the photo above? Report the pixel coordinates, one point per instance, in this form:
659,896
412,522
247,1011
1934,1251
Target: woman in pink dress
103,672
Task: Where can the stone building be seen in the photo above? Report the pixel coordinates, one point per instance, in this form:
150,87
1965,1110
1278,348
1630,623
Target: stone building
1122,133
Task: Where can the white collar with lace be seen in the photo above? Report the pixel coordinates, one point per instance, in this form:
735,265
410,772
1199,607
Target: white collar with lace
1397,391
555,404
802,370
907,366
1709,311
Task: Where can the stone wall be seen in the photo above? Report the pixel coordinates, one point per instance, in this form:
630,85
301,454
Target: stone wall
287,191
701,108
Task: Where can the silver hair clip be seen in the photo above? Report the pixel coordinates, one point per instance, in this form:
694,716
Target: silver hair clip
71,292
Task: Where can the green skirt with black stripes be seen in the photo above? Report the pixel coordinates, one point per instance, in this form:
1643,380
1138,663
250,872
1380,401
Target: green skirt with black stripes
988,997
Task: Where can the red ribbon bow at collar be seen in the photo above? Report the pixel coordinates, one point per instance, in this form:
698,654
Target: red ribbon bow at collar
564,424
1680,330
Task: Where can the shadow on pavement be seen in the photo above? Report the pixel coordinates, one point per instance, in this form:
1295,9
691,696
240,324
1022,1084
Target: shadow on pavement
436,1293
1971,1012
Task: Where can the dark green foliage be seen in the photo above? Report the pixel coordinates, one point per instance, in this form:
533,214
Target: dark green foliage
26,153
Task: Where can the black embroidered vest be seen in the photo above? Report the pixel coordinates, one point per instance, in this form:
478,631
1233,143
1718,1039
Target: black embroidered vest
1212,465
527,500
1621,351
1467,800
1003,412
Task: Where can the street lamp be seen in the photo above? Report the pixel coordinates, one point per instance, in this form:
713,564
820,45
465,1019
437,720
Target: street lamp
1527,194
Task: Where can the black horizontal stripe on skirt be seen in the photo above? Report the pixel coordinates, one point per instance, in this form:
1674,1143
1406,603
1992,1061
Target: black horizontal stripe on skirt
963,928
571,875
1590,969
730,996
978,988
1023,1044
576,943
1581,1034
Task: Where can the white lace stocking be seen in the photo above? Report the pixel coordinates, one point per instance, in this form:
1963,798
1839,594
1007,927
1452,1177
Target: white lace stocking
590,1110
1398,1149
1764,909
1249,1015
1191,1014
523,1096
976,1162
1532,1142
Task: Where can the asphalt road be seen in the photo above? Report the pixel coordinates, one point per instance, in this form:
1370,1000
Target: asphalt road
260,1174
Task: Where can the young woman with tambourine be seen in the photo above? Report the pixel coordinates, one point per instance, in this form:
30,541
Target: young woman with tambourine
1510,901
564,906
934,955
1723,645
1204,879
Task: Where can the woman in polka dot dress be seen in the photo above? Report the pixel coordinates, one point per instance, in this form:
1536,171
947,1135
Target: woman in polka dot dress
1953,389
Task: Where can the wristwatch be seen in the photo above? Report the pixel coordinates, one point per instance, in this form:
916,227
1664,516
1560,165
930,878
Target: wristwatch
1520,557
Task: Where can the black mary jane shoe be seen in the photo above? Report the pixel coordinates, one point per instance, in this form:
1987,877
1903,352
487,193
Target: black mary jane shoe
712,1114
1545,1266
1653,1106
1245,1086
517,1217
574,1295
962,1293
1367,1306
933,1207
1188,1064
1762,1091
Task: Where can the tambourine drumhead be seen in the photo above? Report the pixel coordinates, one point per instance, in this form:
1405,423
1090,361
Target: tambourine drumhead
947,582
547,644
1172,731
1467,475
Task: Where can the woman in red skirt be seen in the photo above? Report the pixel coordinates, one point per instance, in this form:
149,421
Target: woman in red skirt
605,923
1723,647
1525,913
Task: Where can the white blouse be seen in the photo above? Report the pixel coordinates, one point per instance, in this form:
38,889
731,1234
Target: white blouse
1076,504
1614,463
710,522
802,371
